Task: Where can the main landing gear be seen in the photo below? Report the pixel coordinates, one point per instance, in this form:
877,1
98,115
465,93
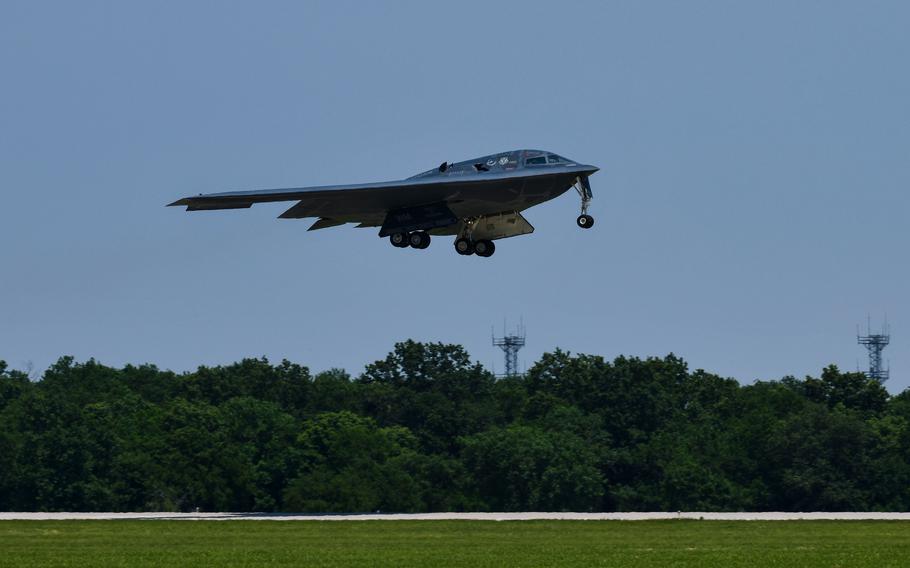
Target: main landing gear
583,188
465,244
417,240
467,247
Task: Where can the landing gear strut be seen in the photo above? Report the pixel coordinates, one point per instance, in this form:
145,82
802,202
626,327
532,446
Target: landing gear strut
583,188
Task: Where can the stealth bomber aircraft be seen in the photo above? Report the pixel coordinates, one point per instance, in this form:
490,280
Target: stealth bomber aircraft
478,201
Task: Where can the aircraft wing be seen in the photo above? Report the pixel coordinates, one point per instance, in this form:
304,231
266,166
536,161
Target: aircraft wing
244,199
365,203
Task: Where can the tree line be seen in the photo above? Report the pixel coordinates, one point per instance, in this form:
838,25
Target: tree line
427,429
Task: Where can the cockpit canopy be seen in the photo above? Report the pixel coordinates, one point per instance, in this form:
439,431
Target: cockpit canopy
498,163
545,159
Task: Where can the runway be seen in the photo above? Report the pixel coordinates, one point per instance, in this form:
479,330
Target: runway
808,516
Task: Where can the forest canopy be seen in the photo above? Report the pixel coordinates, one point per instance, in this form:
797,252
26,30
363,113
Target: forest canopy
427,429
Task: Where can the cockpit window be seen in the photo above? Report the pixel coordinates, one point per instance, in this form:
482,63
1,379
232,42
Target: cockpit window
554,159
536,161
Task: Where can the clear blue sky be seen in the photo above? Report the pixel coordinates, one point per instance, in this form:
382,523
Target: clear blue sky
752,205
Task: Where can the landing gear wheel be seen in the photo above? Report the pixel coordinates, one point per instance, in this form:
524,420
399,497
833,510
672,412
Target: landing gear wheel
585,221
419,240
484,248
399,240
464,246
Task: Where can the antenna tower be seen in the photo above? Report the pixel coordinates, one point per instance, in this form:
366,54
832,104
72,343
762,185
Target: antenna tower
510,344
875,343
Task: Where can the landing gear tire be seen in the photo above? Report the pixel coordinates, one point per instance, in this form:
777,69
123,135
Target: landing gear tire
484,248
585,221
419,240
464,246
399,240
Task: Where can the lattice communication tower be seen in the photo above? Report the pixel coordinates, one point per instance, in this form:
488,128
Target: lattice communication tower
510,344
875,343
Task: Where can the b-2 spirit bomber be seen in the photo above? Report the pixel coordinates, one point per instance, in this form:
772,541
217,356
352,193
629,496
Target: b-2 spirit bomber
478,201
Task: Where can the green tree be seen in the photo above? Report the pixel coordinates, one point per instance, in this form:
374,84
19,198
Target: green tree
853,391
262,438
425,429
351,464
819,460
432,389
525,468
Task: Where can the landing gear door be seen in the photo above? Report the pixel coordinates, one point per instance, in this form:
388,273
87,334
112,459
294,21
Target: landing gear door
501,226
421,218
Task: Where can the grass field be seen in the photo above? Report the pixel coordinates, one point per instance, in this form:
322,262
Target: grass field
455,543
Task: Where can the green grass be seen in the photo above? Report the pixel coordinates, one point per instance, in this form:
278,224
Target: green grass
455,543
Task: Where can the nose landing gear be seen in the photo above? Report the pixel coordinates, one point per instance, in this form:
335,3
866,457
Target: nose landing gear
583,187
